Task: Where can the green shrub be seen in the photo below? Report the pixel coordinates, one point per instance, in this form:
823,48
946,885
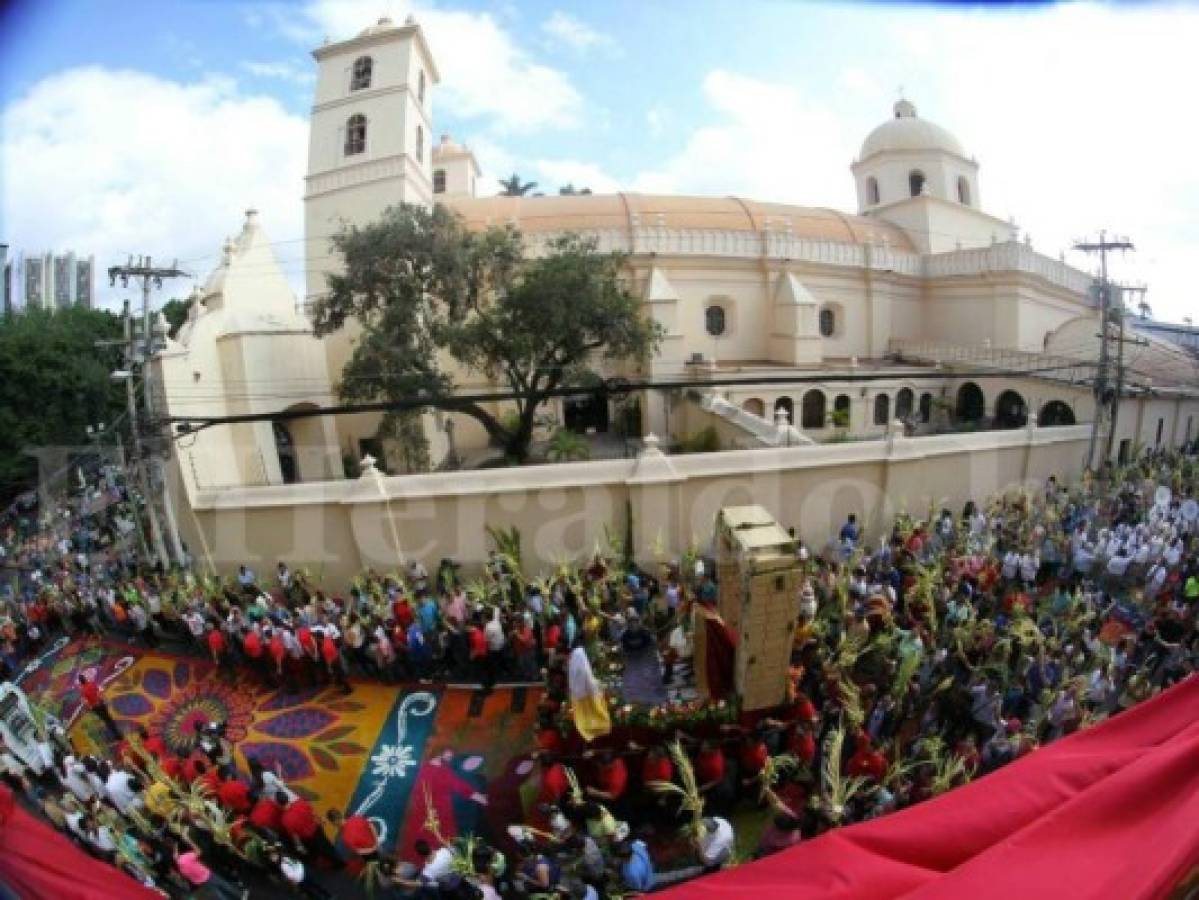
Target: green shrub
566,446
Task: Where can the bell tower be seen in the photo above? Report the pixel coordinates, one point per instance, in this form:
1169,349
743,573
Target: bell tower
369,146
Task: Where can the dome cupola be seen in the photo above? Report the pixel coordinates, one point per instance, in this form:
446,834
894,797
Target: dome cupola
907,157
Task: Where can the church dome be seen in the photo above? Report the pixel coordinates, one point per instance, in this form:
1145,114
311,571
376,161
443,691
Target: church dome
907,131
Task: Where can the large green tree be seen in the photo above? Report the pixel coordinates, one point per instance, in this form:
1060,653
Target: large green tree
54,382
429,293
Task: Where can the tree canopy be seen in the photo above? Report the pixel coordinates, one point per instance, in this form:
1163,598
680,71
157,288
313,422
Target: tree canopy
54,382
175,312
428,292
513,187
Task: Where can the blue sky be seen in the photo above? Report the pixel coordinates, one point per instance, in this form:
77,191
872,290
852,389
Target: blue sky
146,127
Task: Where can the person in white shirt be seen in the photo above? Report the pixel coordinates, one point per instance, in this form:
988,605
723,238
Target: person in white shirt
1030,564
493,631
715,845
1117,566
124,790
1011,565
75,779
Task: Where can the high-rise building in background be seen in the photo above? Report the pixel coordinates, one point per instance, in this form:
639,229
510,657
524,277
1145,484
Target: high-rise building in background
6,298
50,281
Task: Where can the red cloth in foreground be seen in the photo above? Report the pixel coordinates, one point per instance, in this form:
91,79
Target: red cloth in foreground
38,863
1110,812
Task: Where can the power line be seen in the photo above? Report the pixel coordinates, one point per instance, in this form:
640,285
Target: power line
451,402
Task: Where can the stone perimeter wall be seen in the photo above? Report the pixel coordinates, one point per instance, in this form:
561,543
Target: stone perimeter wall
337,528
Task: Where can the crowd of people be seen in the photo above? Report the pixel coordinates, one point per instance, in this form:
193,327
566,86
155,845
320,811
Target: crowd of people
952,646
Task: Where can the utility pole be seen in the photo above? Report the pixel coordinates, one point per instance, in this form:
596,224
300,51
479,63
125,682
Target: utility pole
151,277
1121,341
1102,246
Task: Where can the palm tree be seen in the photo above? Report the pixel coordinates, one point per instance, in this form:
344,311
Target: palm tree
569,190
514,187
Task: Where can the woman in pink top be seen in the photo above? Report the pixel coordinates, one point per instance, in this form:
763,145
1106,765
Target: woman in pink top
207,883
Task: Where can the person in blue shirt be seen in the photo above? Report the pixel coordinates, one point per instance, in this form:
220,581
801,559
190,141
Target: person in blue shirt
849,531
636,868
428,614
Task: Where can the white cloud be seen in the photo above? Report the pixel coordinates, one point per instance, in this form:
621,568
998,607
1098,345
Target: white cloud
485,73
282,71
655,121
563,28
1073,112
767,141
119,162
552,174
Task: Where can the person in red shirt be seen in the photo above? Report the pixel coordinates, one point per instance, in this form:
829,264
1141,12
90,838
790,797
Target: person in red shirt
193,767
153,744
656,767
549,737
267,816
251,644
553,637
611,779
172,767
334,664
710,771
208,777
357,834
278,653
301,825
401,610
554,783
233,794
801,743
94,701
751,756
216,645
866,761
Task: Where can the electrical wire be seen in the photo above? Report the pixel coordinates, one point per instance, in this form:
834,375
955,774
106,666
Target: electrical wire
611,386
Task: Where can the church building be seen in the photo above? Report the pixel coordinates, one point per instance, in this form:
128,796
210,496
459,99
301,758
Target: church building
918,311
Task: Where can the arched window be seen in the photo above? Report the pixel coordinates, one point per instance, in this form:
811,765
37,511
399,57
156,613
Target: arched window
872,191
785,404
841,411
439,181
286,448
915,182
755,406
1010,410
828,322
963,190
905,401
1055,414
714,320
420,86
355,134
882,409
420,144
812,409
971,405
360,77
926,407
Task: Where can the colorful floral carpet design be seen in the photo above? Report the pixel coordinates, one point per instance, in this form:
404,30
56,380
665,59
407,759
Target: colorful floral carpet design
381,750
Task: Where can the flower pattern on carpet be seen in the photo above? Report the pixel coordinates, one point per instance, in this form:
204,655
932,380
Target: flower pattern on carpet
315,738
